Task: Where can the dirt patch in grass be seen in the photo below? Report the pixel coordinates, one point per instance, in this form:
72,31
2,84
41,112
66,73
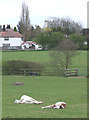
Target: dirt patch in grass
77,77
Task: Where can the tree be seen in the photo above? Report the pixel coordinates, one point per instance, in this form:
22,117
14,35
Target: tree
36,31
15,29
47,29
43,39
62,55
24,23
55,39
65,25
79,40
48,39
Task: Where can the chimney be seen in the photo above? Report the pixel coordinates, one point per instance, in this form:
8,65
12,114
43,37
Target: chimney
8,27
0,28
3,29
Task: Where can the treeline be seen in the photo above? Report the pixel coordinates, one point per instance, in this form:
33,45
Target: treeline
55,30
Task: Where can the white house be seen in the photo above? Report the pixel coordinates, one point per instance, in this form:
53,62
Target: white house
10,39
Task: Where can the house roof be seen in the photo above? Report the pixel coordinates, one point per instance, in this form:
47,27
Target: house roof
29,42
10,33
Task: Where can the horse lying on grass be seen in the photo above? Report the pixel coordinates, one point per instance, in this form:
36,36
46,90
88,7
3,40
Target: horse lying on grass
27,100
58,105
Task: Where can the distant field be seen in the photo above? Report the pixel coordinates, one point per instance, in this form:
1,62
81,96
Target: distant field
79,61
48,89
36,56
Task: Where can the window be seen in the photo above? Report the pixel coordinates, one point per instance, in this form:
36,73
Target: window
6,39
6,45
22,39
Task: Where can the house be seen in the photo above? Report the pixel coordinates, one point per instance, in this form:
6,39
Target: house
30,45
85,31
10,40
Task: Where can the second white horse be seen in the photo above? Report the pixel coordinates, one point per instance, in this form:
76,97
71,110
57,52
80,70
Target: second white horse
58,105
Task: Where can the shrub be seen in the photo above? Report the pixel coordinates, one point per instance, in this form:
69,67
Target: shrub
18,66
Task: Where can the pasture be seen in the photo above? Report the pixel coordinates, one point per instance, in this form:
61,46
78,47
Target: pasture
48,89
79,61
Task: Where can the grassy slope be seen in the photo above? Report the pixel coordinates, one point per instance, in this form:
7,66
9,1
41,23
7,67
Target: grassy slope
49,90
80,61
37,56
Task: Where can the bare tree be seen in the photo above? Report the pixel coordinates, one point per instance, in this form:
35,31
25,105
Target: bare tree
24,23
62,55
66,25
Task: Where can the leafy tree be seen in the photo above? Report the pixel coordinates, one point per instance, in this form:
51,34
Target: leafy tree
55,39
37,30
49,39
47,29
15,29
43,39
79,40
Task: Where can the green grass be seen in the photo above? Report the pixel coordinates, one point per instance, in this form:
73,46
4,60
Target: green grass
36,56
48,89
79,61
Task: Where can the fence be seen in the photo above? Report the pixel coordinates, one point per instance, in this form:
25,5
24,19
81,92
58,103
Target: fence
44,72
71,72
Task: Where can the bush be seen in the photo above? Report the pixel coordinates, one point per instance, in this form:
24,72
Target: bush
18,66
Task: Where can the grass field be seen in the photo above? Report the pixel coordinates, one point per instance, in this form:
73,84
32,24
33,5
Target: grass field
48,89
36,56
79,61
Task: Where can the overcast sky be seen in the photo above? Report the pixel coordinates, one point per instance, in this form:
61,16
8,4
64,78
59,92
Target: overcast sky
40,10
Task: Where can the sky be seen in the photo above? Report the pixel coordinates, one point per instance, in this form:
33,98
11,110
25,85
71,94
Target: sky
41,10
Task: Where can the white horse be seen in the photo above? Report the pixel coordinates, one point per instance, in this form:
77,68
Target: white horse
58,105
28,100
